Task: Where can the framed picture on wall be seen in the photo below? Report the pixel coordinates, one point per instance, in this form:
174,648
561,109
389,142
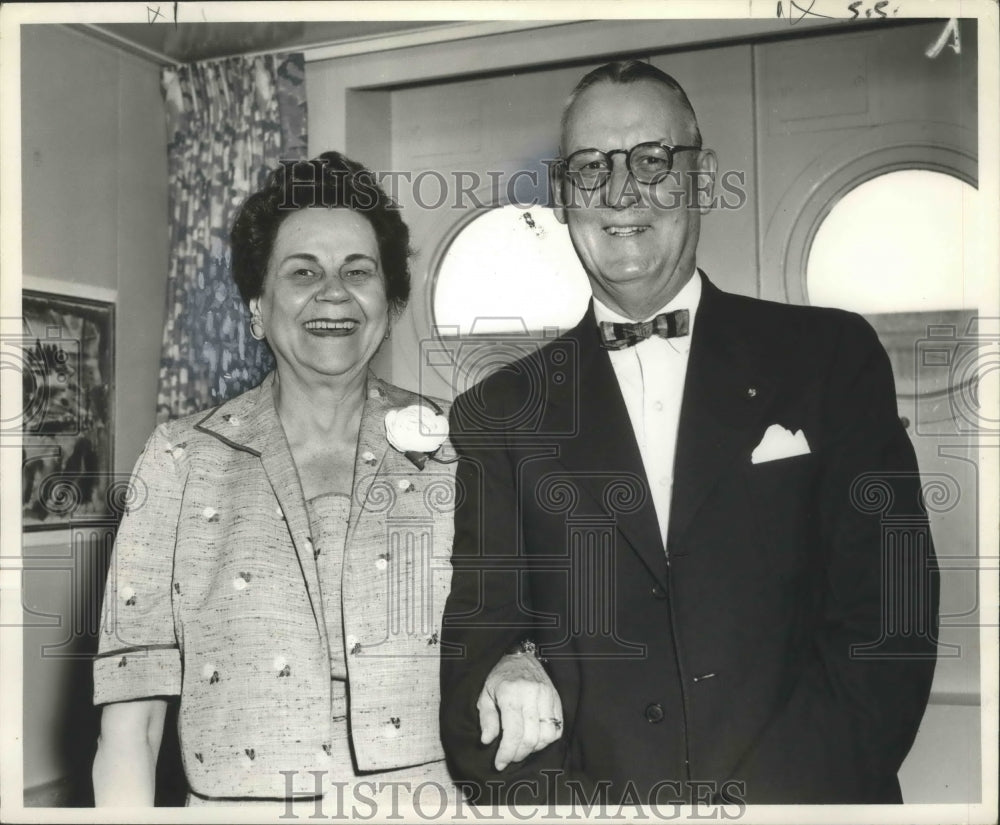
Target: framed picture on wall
67,363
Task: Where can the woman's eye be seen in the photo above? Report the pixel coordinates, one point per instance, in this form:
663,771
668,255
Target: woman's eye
304,273
358,274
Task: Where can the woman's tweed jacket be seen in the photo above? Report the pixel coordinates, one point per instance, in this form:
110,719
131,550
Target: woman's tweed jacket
213,594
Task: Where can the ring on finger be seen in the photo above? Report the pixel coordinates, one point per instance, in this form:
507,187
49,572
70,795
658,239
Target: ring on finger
555,722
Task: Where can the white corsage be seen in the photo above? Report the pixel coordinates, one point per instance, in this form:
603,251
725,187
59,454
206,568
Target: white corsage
416,431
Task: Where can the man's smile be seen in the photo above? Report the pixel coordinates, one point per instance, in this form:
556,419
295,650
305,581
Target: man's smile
626,231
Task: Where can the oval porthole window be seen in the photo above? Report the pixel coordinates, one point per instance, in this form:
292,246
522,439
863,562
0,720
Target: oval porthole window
899,242
510,270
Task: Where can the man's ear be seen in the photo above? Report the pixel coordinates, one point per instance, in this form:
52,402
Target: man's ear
708,166
556,184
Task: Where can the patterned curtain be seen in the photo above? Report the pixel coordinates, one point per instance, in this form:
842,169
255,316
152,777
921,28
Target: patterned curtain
228,123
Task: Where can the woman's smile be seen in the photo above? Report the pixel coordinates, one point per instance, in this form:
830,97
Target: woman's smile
332,327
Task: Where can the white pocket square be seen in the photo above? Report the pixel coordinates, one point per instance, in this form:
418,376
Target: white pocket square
779,443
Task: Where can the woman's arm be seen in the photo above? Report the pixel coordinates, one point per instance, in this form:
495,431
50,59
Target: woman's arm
138,664
125,765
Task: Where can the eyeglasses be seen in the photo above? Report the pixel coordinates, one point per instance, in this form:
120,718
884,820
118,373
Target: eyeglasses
648,163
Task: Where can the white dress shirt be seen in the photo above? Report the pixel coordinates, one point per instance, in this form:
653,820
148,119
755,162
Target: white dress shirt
651,377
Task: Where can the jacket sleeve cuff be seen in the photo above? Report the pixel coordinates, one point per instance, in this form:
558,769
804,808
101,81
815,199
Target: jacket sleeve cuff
136,673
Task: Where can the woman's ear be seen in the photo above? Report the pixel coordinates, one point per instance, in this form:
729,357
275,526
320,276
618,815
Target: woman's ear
255,307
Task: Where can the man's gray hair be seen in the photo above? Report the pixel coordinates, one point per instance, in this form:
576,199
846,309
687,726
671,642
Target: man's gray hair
623,72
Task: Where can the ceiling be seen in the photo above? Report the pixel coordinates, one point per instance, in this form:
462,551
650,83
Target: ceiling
186,42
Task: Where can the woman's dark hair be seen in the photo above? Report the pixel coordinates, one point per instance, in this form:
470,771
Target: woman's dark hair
330,181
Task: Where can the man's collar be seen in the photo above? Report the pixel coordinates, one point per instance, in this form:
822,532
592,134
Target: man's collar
688,298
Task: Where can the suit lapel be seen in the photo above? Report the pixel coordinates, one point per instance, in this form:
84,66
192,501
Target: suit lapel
250,422
725,397
372,448
605,448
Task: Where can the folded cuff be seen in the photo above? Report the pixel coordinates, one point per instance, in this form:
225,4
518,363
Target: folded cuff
136,673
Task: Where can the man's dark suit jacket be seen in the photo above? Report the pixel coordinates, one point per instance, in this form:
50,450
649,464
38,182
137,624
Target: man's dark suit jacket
781,651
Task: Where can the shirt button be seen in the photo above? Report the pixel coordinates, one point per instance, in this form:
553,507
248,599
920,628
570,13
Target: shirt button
658,406
664,482
654,713
381,564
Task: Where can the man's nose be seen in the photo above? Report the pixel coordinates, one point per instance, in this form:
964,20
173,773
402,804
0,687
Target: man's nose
621,189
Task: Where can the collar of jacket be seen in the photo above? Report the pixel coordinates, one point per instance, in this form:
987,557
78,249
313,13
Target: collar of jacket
250,421
726,393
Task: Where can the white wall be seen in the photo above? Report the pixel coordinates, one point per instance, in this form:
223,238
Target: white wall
94,180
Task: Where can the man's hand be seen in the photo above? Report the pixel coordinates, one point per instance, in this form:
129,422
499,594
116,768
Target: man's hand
519,699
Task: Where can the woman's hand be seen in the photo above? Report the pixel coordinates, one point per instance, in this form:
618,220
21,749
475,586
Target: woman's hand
519,700
125,765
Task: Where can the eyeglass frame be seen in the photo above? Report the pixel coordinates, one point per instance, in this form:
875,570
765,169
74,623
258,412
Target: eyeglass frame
563,163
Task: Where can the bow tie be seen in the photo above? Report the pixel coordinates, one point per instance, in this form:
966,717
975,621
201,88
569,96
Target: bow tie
667,325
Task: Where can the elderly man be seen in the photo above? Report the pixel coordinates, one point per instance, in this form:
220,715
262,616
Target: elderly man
672,507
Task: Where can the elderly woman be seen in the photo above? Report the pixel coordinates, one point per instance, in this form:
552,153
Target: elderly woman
285,559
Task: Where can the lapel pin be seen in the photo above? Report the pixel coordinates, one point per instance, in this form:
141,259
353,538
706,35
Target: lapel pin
751,392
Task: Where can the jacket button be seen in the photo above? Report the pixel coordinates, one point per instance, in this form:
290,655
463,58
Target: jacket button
654,713
658,592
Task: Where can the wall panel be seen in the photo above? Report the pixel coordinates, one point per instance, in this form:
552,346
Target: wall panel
69,134
94,182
